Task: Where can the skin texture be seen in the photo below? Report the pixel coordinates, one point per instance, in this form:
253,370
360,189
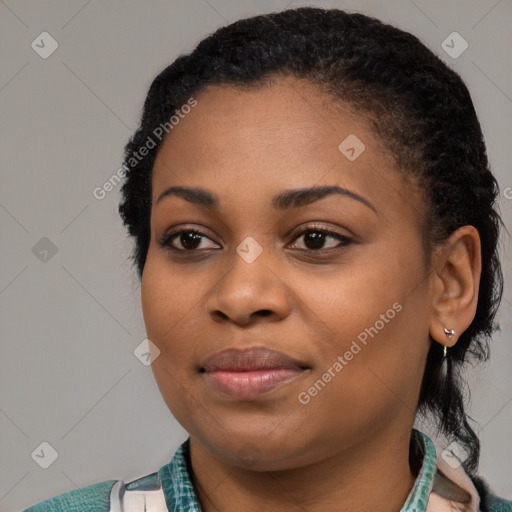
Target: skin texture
348,447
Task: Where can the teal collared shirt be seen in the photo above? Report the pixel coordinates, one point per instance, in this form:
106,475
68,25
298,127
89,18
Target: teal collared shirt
180,495
176,483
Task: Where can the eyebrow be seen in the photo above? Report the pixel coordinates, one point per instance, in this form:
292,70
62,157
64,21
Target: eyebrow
295,198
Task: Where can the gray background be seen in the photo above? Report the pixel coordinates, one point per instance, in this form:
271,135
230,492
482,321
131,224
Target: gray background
68,375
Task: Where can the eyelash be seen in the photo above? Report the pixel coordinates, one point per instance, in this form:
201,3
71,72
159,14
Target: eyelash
166,240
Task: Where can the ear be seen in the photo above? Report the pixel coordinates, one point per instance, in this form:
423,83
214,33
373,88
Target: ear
457,268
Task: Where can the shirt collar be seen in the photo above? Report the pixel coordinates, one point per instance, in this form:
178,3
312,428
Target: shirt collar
424,451
180,495
176,481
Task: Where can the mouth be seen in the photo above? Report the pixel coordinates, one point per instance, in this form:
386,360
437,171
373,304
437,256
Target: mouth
245,374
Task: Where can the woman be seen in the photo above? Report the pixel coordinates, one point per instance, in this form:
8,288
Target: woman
316,239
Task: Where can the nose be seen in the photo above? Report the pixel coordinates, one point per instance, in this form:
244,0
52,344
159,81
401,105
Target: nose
249,292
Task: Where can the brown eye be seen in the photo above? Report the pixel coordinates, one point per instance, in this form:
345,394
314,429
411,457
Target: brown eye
189,239
315,239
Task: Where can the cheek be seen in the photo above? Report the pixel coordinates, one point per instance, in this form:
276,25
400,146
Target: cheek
167,299
174,316
375,318
350,300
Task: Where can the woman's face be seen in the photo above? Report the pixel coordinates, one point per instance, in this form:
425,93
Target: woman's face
336,282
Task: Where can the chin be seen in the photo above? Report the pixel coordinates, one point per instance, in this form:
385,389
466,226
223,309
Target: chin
257,451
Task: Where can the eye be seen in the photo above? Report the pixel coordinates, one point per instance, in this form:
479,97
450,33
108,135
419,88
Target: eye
315,238
190,240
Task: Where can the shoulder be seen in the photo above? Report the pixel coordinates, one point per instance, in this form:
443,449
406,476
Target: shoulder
489,502
144,493
92,498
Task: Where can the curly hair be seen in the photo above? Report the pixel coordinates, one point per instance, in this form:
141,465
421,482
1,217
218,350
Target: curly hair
420,109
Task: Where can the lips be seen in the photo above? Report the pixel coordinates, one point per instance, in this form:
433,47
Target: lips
254,358
249,373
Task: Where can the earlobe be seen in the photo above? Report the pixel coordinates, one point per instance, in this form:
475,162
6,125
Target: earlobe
457,277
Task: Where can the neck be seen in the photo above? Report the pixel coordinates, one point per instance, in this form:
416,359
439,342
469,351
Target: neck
375,475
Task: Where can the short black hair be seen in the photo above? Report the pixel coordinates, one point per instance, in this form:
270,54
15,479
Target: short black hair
419,107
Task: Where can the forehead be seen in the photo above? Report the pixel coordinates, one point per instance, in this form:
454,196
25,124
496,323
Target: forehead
252,143
270,122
